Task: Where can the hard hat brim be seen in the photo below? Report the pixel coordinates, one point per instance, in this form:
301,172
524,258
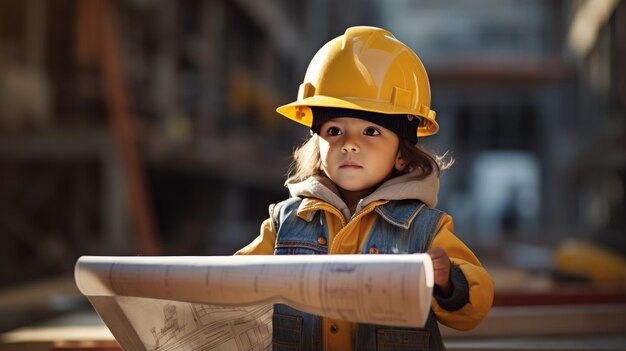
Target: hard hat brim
300,112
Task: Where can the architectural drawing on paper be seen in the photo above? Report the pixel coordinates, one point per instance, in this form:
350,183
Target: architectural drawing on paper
189,327
226,302
171,326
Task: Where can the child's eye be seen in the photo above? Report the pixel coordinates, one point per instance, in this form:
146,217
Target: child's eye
371,131
334,131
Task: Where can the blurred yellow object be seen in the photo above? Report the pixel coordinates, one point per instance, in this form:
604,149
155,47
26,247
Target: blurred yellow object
365,69
589,260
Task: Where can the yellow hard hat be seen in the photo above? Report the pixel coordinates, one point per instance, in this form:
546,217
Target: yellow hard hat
590,260
365,69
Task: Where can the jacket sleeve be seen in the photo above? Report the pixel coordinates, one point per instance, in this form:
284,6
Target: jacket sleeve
264,243
472,284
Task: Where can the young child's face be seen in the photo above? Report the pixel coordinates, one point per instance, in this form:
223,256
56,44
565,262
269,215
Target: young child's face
357,154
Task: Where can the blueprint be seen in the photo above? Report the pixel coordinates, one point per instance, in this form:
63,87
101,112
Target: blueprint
226,302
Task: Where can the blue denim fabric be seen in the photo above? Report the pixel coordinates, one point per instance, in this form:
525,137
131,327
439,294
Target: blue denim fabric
295,330
295,236
405,226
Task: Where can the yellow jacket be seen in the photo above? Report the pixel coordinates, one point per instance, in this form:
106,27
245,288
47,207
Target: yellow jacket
347,233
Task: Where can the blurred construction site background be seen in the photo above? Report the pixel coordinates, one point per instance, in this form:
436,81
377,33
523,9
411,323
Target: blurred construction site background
149,127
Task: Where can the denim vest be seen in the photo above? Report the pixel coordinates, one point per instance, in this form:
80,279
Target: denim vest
403,226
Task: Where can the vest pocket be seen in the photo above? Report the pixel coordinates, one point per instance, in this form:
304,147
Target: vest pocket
287,332
401,340
299,247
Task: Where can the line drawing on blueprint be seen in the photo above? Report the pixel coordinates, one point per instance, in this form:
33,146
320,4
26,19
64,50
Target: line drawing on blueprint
225,302
164,325
171,326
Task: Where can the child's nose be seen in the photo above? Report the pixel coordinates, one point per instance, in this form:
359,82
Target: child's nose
350,145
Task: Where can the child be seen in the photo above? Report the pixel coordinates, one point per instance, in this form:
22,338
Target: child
361,185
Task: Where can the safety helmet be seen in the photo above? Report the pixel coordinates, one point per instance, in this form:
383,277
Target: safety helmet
365,69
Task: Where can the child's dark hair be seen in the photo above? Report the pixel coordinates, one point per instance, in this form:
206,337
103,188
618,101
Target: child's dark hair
307,162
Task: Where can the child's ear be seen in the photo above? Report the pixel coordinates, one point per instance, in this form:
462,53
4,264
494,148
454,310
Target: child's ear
400,163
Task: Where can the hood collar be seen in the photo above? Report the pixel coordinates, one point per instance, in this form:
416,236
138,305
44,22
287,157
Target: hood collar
403,187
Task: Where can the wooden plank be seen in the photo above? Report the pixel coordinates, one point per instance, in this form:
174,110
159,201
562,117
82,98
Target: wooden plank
579,294
564,320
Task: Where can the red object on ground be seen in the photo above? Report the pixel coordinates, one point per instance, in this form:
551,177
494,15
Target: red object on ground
566,294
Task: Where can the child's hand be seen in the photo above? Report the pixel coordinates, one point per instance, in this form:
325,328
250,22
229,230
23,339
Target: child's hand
441,267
